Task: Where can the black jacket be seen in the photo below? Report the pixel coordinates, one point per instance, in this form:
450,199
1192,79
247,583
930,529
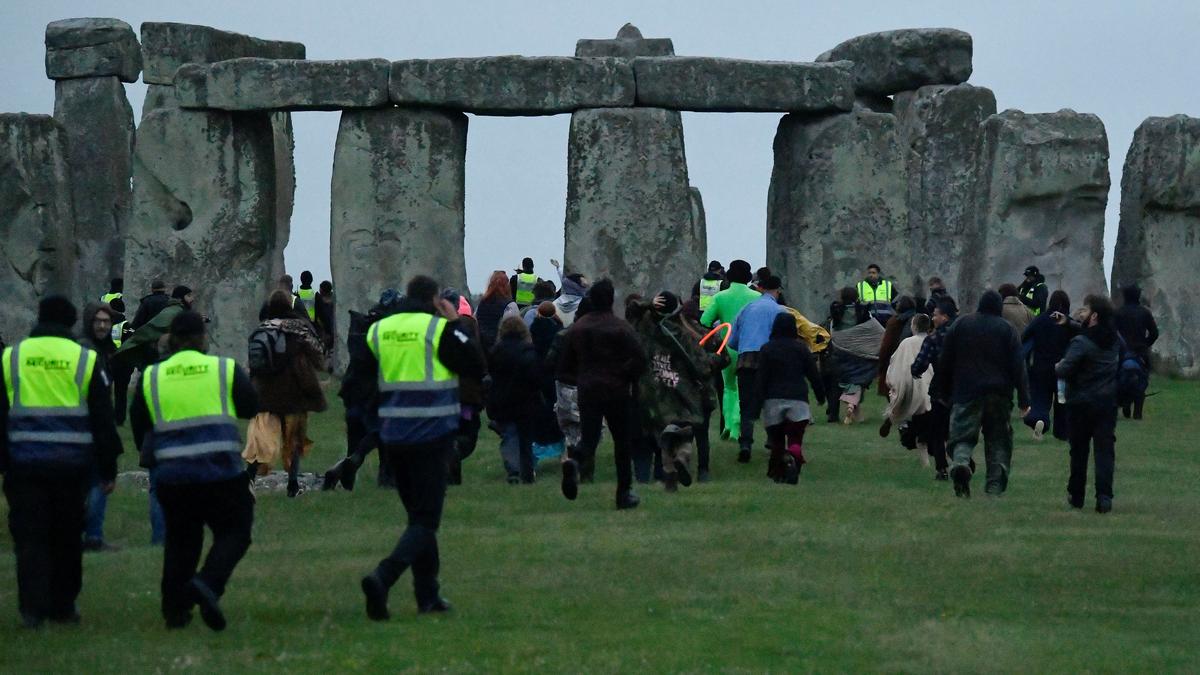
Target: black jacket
784,365
488,315
1090,368
981,356
148,308
1047,342
603,356
1136,324
516,389
106,444
1040,294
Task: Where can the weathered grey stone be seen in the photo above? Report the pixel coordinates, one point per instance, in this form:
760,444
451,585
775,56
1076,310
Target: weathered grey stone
1044,185
204,215
939,129
837,203
513,85
735,85
37,257
285,181
167,46
397,203
92,48
699,223
98,122
1157,245
629,209
628,44
904,60
284,84
159,97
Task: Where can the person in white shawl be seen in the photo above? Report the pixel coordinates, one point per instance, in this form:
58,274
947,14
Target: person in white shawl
907,396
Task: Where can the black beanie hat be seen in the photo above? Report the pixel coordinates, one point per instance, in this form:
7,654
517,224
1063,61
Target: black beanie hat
739,272
187,324
180,292
670,303
58,310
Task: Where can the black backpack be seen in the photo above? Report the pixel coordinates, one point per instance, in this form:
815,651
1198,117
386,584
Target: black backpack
267,353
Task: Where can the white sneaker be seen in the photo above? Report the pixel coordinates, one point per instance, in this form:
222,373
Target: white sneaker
1039,430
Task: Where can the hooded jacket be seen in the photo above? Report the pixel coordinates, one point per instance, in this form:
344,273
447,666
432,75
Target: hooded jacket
1090,367
1040,293
1136,323
981,356
677,387
104,347
785,363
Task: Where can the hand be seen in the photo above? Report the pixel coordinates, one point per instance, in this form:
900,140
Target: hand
554,263
447,310
1059,318
1025,411
659,302
107,488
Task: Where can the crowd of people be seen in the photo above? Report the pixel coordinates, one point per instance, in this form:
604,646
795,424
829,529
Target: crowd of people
549,366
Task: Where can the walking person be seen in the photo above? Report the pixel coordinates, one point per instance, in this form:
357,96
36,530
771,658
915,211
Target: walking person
419,418
1090,370
1046,341
97,326
521,284
515,397
470,393
58,434
785,364
1135,322
908,396
839,319
496,303
981,364
1014,310
752,330
725,308
184,420
937,421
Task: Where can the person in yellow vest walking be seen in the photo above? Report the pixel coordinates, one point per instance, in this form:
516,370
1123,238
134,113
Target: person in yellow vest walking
184,419
308,295
875,296
418,354
713,282
116,291
522,284
58,433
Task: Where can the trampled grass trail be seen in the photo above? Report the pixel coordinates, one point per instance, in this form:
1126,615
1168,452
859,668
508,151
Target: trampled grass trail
866,565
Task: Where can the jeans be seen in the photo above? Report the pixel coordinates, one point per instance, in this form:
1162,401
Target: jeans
516,448
1093,431
45,516
420,477
226,508
989,413
158,522
619,414
97,505
1043,387
748,405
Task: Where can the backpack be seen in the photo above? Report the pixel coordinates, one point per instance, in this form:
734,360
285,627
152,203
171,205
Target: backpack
1132,379
267,353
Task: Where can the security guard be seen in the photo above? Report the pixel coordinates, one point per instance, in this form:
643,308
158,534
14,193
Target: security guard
59,432
116,290
307,295
1033,292
419,354
184,421
875,295
523,282
710,284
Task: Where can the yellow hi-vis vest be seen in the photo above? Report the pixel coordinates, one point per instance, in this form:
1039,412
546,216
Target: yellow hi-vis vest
708,290
418,399
309,296
195,436
877,300
118,330
525,284
47,381
107,298
1029,296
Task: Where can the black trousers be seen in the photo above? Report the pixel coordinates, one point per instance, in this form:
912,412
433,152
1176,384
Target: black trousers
619,414
935,428
1093,431
226,508
121,376
833,392
45,517
748,405
419,472
703,445
464,443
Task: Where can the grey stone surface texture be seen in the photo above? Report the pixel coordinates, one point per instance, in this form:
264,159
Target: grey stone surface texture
905,60
837,201
167,46
628,44
98,121
284,142
204,215
629,206
92,48
706,84
1157,243
36,219
513,85
398,196
1043,189
159,97
939,129
699,224
284,84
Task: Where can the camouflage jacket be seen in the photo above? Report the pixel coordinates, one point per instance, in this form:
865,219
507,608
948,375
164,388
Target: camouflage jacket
677,386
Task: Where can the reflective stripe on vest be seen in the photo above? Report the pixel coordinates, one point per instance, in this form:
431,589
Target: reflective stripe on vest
195,435
308,295
877,299
47,381
708,290
525,284
1029,296
418,394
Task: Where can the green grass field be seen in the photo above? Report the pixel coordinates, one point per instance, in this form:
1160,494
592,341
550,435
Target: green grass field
867,565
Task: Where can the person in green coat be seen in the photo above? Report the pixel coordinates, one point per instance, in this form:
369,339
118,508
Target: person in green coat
725,307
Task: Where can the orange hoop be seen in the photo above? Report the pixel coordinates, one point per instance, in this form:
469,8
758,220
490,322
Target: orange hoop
728,334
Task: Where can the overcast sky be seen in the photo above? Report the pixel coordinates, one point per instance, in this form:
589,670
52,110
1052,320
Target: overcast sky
1123,61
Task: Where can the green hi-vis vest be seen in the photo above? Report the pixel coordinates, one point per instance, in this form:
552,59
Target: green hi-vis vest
107,298
1029,296
708,290
309,296
525,284
195,436
117,331
47,381
418,399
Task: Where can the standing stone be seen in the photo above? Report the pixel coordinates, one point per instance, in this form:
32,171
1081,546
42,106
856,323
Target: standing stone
904,60
285,181
628,44
92,48
1043,189
36,219
837,203
629,208
99,125
167,46
939,127
1157,243
204,203
399,178
699,222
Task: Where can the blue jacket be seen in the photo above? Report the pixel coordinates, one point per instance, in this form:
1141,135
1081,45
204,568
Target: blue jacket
752,328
